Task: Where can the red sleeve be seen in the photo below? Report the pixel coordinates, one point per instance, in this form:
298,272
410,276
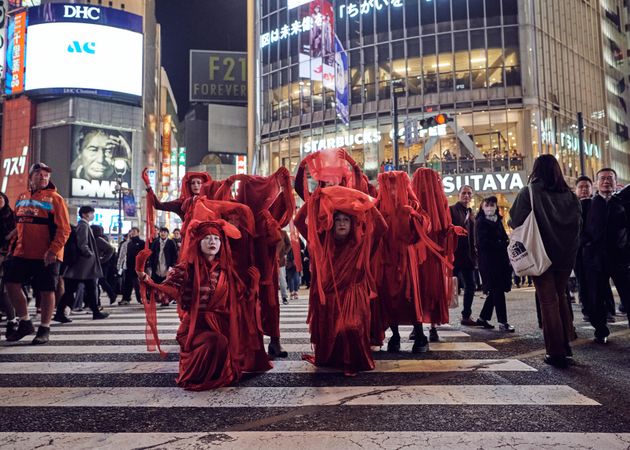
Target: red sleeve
300,222
172,206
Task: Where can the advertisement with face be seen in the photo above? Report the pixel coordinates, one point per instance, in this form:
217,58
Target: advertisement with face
317,49
93,172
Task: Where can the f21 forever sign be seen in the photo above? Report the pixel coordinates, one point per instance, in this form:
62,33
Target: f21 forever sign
486,183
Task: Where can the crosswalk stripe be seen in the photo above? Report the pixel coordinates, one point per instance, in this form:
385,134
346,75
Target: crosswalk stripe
52,349
290,440
387,366
164,334
253,397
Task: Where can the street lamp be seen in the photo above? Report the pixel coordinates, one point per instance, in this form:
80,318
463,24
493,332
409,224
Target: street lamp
120,167
397,91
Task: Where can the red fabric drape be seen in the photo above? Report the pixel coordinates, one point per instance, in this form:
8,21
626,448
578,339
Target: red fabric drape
436,271
342,280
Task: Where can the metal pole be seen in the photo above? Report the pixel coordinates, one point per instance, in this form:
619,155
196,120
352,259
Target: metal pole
395,129
119,181
580,121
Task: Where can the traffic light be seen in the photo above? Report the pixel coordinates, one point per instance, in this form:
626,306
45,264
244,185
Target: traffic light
430,122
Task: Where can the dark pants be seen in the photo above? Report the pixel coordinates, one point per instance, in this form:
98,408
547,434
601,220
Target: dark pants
557,324
599,296
131,283
71,287
468,279
494,300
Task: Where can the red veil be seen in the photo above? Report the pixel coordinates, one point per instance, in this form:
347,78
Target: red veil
397,260
342,279
435,271
273,204
331,167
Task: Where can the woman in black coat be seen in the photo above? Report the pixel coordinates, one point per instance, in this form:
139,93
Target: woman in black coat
494,264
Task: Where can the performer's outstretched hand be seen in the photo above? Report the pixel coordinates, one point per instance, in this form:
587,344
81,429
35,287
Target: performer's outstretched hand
145,178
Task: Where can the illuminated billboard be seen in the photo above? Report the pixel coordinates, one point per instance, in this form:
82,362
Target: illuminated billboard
16,39
84,50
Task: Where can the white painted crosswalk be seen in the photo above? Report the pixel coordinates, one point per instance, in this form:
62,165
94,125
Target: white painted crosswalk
102,369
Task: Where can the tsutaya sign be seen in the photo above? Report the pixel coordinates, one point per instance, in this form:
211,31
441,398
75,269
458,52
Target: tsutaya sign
568,141
485,182
366,136
307,23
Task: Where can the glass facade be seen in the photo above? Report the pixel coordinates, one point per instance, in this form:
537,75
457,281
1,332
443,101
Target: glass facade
472,60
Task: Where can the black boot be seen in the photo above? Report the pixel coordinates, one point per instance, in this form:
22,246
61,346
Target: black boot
24,329
393,345
43,336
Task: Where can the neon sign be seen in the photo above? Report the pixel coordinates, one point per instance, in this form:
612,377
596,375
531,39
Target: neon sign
365,7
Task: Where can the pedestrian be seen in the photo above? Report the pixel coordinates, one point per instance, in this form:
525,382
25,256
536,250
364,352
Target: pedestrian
219,339
465,254
163,257
494,264
43,227
283,248
121,265
106,257
306,265
293,275
605,251
558,215
85,269
132,247
343,228
7,238
177,238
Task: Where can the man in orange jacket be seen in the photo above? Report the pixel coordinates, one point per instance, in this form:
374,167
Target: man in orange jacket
43,227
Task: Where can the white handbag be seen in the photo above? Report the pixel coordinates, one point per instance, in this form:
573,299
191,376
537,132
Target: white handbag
526,249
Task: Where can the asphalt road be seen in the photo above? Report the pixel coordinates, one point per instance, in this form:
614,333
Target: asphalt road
95,386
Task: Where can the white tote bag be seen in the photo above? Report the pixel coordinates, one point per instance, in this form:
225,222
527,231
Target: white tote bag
526,249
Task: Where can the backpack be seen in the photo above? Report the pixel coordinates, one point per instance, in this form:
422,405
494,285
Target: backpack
71,251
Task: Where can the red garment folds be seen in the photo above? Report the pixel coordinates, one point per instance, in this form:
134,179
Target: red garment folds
436,271
342,283
331,167
273,204
219,339
183,203
397,262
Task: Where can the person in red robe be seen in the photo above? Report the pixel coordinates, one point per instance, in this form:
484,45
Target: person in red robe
272,202
342,227
219,338
191,187
436,269
399,301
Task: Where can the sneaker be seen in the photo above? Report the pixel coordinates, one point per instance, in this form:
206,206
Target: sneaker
393,345
433,335
597,340
507,327
468,322
484,323
100,315
24,328
420,345
11,327
43,336
61,318
285,301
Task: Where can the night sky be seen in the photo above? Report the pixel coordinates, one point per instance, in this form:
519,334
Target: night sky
200,24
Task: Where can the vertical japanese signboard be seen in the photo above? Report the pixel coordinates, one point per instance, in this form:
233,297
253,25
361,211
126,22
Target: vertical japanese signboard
16,46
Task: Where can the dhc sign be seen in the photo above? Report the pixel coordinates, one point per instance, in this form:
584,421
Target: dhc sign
81,12
485,183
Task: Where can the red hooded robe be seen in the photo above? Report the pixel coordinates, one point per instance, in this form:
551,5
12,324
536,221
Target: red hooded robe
342,281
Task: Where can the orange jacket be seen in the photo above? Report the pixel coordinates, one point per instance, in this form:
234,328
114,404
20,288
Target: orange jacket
43,223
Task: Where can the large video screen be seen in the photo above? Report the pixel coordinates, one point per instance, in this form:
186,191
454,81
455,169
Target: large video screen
83,58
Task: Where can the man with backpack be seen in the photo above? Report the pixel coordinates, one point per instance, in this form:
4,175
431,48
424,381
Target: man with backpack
43,226
82,266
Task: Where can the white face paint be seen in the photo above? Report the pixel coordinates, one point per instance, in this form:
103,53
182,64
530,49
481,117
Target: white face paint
210,245
343,225
195,185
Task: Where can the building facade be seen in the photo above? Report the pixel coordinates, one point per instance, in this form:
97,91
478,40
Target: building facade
508,77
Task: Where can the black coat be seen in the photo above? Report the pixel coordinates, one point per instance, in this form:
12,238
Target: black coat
604,240
134,247
466,253
88,265
170,254
494,264
7,224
